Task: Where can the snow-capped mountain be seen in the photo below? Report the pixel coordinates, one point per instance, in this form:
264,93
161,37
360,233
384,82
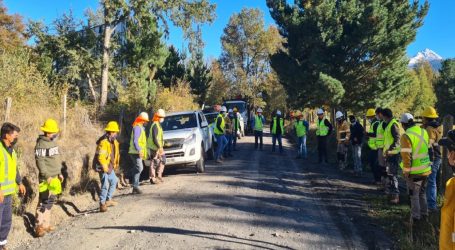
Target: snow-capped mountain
429,56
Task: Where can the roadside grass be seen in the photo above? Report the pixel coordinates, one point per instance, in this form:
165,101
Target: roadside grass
395,220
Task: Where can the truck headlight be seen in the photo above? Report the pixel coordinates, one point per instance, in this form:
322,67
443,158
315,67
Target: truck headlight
190,139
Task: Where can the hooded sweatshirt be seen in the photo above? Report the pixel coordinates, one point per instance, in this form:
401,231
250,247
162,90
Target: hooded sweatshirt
47,156
434,130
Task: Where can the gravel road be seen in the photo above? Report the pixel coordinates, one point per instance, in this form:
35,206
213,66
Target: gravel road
256,200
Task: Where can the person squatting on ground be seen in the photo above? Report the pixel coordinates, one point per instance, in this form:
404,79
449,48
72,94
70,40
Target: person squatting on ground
343,135
277,130
155,148
49,165
415,164
391,153
107,161
323,130
434,130
301,128
372,145
356,139
220,127
10,179
258,128
138,149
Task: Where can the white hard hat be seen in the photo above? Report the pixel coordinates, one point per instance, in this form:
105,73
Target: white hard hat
230,111
278,112
406,117
320,112
223,109
161,113
259,110
144,116
338,114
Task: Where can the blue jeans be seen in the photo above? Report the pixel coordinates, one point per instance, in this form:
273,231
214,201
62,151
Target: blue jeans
108,185
6,218
280,143
301,148
357,157
228,148
137,169
432,193
221,141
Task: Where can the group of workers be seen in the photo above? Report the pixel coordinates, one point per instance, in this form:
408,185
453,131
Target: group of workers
227,130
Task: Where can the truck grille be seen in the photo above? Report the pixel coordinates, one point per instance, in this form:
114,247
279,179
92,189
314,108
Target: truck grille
173,144
174,155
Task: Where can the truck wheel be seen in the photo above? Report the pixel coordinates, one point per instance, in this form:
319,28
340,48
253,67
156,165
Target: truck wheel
200,165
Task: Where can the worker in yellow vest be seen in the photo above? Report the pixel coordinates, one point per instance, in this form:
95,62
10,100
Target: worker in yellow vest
138,149
323,130
343,136
372,147
448,209
49,163
155,146
391,153
416,165
380,146
258,127
10,179
301,128
236,128
220,131
277,129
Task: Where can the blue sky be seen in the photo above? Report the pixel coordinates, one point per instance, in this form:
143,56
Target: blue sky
438,32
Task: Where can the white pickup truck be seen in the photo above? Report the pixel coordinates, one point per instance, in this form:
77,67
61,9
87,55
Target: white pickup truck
187,139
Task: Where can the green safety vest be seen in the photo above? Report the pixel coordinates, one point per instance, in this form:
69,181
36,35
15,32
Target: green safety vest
258,126
150,141
236,123
322,129
380,136
275,126
55,187
372,140
300,128
8,168
223,125
419,153
388,139
142,142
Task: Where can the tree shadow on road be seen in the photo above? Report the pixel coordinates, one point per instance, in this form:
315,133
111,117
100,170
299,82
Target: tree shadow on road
200,234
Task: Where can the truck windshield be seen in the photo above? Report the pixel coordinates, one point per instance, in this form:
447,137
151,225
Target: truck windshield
176,122
239,105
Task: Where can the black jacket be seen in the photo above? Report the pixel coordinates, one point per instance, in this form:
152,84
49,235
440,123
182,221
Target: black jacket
357,133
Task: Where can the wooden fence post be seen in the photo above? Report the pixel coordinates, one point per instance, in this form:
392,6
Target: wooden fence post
8,104
445,171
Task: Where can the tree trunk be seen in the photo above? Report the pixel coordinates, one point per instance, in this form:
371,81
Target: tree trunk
92,89
105,68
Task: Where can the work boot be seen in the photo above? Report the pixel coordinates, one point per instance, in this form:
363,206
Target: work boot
153,180
103,208
111,203
395,199
3,247
160,179
40,231
136,190
219,161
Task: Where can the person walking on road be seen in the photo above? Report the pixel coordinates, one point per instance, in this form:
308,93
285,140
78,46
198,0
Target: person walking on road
372,146
277,129
107,158
343,135
236,128
155,148
10,179
301,128
416,165
434,130
323,130
138,149
356,139
258,127
220,127
391,154
49,163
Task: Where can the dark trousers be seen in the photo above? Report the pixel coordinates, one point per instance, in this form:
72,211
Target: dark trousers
5,218
280,142
373,162
258,136
393,164
234,140
322,148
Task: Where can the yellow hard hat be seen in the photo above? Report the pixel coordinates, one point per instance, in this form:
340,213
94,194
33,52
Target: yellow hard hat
50,126
371,112
235,109
112,126
430,112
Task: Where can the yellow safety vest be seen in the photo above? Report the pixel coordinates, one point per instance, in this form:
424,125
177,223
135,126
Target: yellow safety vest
380,136
372,140
150,141
142,142
258,126
275,125
300,128
216,130
388,138
8,168
419,155
322,129
55,187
